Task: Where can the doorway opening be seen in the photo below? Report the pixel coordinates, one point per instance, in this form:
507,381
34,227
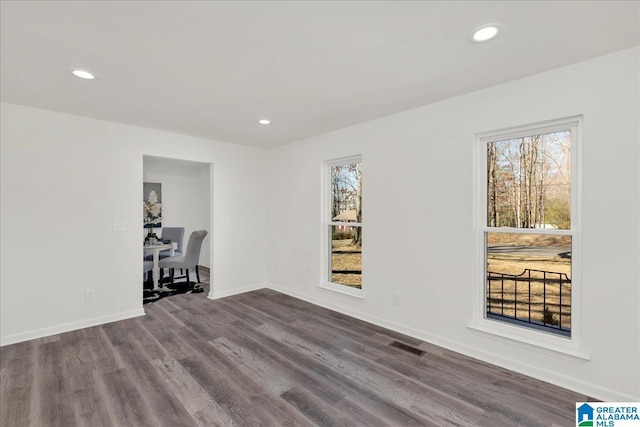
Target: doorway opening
184,194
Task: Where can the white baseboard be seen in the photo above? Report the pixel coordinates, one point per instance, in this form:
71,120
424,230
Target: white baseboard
67,327
537,372
213,294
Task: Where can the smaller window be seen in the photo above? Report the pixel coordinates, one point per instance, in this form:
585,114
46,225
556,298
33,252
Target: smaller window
343,222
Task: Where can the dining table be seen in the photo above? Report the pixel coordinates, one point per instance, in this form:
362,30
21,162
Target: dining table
155,249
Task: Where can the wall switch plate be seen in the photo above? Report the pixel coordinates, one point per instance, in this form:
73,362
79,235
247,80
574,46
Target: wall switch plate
119,225
90,295
396,299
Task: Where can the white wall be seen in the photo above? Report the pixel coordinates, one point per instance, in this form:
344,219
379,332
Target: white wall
418,219
185,197
65,179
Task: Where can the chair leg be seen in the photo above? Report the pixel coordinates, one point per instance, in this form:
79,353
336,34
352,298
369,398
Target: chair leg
171,273
188,279
197,273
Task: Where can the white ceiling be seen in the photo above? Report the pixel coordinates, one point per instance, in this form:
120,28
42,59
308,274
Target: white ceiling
212,69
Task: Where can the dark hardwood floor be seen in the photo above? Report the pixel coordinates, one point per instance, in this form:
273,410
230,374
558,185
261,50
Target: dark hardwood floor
260,359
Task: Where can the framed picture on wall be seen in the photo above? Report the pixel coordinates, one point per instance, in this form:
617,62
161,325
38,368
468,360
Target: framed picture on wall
152,204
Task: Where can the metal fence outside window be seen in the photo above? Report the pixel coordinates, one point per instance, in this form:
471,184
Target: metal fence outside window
541,299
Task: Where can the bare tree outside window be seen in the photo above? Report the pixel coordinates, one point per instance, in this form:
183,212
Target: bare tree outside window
529,182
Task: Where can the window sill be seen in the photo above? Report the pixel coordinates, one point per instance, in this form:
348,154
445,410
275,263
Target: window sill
341,289
539,340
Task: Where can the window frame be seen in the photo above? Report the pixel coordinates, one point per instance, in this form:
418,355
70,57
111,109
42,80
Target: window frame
508,331
327,222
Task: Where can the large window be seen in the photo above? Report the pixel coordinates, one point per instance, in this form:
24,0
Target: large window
528,226
343,223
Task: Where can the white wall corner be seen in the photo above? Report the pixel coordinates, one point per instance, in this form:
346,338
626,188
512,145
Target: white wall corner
67,327
213,294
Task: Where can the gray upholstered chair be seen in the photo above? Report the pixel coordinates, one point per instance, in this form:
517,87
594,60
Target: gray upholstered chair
190,258
175,234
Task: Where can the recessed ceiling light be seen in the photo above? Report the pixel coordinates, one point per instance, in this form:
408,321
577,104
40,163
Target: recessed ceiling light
484,33
83,74
264,121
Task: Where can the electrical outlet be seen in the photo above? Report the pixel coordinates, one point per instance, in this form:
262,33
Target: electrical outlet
396,299
90,295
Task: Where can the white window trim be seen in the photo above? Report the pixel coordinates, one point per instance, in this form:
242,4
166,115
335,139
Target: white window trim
326,221
570,346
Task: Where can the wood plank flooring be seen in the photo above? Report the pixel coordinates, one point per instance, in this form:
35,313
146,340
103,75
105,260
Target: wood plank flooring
260,359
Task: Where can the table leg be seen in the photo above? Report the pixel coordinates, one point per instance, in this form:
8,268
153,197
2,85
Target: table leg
156,269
